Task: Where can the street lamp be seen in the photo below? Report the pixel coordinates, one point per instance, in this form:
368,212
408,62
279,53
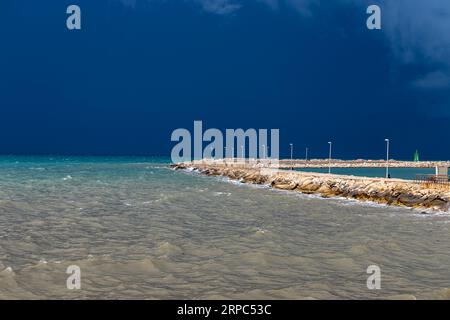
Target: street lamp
329,157
292,152
387,158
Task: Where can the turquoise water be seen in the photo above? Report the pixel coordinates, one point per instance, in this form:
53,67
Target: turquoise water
396,173
139,230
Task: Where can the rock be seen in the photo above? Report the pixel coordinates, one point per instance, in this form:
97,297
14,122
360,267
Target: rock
310,187
285,186
386,191
408,200
324,189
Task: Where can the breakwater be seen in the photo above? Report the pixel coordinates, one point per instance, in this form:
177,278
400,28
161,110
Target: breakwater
386,191
360,163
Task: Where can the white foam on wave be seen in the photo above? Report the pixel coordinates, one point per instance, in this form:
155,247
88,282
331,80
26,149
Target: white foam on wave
37,168
8,270
222,193
241,183
158,167
162,198
261,231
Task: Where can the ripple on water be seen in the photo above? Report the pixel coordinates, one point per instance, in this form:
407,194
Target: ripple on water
189,236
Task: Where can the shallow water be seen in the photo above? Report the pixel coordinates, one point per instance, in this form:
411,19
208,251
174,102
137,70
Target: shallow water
140,230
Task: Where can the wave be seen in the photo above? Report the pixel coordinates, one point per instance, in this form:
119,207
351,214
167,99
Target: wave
218,193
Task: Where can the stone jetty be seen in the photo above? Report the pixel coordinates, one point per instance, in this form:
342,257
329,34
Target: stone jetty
386,191
361,163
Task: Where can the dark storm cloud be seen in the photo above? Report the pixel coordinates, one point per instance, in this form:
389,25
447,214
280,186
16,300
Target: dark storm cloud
139,70
418,31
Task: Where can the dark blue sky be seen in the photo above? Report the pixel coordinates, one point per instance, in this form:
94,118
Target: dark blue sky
139,69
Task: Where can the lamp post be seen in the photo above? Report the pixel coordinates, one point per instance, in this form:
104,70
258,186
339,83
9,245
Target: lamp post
329,157
387,158
292,153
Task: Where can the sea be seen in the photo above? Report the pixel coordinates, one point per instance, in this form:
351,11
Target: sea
136,229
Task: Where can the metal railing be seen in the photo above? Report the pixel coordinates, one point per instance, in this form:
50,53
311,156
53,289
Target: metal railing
433,180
